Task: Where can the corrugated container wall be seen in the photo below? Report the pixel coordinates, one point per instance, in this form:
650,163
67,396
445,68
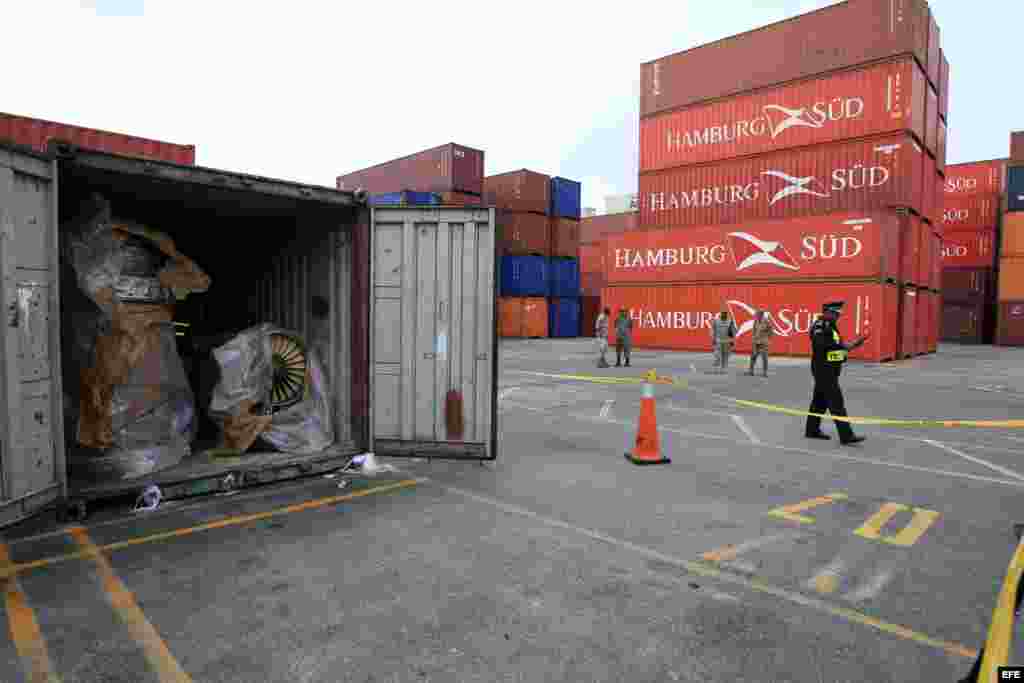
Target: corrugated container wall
521,190
943,86
564,317
1015,189
967,285
969,212
679,316
965,323
1011,279
940,152
1012,234
596,228
565,236
907,345
1017,148
975,178
909,236
448,168
934,259
521,233
969,249
860,175
463,199
934,56
523,317
837,246
524,276
935,320
1011,323
37,133
836,37
590,308
876,100
931,120
566,198
564,277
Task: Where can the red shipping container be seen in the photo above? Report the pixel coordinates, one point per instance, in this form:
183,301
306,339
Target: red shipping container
837,246
591,284
679,316
521,190
448,168
1017,149
969,249
935,261
596,228
523,317
908,322
943,86
565,236
1010,327
910,250
37,134
523,233
461,199
976,178
591,258
934,320
926,258
970,212
931,121
930,199
940,151
860,175
836,37
590,308
968,285
875,100
934,57
965,323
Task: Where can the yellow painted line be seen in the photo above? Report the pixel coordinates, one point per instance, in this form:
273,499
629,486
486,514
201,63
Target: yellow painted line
826,583
903,422
712,572
908,535
1000,631
790,511
25,632
159,657
216,524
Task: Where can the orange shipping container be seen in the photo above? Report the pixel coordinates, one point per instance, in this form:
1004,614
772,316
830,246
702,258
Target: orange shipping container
969,249
523,317
565,236
976,177
1013,234
461,199
596,228
679,316
591,257
908,323
874,100
1011,279
519,191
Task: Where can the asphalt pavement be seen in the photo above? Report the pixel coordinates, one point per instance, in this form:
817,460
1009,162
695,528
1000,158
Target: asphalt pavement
755,555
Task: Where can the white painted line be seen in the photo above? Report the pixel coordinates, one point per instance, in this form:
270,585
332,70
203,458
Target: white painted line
1001,470
871,588
792,449
746,429
606,408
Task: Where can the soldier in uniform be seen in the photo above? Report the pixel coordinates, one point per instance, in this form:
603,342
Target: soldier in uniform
828,355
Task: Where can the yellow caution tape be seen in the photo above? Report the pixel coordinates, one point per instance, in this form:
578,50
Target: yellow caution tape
653,378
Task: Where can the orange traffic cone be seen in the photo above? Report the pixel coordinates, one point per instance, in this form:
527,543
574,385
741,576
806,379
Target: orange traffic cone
648,446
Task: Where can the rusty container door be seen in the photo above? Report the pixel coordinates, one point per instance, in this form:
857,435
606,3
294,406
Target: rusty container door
32,469
433,333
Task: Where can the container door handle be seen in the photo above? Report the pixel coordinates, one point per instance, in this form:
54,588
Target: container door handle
441,312
429,356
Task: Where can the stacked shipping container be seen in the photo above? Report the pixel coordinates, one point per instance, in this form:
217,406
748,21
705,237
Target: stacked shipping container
1010,305
824,169
971,207
538,233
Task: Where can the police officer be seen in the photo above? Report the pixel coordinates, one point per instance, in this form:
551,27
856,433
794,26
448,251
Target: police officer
828,355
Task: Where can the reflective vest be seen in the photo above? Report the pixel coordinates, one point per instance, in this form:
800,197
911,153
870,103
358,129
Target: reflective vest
836,356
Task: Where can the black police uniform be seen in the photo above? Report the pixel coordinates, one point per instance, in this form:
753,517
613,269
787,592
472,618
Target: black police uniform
828,356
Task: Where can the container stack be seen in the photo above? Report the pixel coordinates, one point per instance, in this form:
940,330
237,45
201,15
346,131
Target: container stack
819,177
594,231
1010,304
565,213
454,172
972,200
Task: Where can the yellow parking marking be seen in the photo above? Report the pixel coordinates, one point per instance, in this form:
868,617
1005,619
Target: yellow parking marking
827,579
731,552
159,657
790,511
216,524
25,632
1000,631
908,535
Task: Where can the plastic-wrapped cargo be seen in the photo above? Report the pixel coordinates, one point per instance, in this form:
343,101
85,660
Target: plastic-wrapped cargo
272,387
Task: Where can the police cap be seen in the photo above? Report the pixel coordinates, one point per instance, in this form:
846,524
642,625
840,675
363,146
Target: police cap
833,306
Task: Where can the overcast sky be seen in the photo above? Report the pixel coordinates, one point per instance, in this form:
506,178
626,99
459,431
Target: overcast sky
307,90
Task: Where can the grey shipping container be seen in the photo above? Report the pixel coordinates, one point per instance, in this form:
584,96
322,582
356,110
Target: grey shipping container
399,302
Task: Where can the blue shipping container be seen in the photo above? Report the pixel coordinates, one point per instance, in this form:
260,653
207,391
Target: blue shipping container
564,317
566,198
564,276
1015,188
524,276
405,198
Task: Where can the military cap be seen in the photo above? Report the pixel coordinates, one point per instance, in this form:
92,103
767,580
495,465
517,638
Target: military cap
834,306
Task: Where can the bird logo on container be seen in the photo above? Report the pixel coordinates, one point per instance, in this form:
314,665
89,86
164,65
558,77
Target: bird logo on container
745,316
794,118
795,186
748,250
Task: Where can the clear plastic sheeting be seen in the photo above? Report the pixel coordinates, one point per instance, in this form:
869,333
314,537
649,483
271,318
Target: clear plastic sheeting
249,400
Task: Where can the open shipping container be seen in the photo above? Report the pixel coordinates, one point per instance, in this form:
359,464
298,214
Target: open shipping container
398,301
